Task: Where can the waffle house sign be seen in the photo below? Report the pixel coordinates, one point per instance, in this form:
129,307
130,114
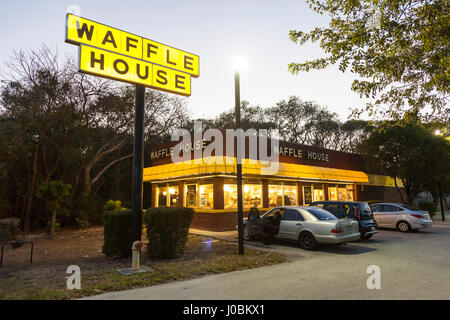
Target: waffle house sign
119,55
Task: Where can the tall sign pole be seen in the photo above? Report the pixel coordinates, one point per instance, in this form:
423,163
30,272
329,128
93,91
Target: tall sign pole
115,54
239,164
138,163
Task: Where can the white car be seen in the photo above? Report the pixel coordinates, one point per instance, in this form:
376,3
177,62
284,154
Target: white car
310,226
400,216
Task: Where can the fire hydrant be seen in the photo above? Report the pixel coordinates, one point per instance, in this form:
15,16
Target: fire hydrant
136,255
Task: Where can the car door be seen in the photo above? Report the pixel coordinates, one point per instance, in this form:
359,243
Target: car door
290,225
272,217
390,215
378,214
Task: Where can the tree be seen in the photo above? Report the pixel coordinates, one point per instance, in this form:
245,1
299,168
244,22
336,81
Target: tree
59,124
54,193
399,51
410,153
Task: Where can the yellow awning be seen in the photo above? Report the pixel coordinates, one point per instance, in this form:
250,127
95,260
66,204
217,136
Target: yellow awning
227,165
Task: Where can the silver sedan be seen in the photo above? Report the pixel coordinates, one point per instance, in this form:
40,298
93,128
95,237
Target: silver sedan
400,216
310,226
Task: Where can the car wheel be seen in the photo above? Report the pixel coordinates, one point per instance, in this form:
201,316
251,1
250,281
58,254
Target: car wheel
366,236
403,226
307,241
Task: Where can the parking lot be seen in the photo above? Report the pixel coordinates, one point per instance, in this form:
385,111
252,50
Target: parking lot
413,266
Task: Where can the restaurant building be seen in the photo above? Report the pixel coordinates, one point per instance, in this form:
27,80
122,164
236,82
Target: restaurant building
304,174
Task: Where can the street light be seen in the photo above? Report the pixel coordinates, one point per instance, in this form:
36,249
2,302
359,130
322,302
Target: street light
437,132
239,64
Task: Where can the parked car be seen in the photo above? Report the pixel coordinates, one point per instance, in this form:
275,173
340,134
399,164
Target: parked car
400,216
357,210
309,226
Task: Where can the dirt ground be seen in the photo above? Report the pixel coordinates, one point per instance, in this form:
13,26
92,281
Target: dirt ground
46,277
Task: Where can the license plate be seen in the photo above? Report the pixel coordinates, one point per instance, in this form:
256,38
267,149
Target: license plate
373,228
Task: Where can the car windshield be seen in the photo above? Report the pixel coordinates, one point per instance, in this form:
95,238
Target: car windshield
321,214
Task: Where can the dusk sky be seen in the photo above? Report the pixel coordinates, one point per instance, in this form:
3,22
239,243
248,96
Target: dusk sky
217,31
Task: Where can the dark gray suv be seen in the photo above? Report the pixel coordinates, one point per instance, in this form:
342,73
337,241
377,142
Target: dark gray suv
359,211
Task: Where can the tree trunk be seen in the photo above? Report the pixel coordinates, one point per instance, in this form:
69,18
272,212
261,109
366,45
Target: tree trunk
27,218
53,225
398,189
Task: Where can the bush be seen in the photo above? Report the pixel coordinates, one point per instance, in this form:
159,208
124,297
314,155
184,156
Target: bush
117,233
428,206
8,229
167,230
112,205
371,202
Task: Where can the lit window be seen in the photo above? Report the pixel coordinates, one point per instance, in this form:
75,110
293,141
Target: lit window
252,194
167,196
345,192
275,195
318,193
206,196
282,195
289,195
230,196
332,194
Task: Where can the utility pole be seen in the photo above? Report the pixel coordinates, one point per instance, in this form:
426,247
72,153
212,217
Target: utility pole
239,164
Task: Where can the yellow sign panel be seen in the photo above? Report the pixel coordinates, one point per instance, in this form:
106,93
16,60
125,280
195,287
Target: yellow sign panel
83,31
118,67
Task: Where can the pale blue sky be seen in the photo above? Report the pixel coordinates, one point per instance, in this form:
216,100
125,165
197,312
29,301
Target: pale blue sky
215,30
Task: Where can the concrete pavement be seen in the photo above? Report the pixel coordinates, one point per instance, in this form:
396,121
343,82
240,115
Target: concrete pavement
413,266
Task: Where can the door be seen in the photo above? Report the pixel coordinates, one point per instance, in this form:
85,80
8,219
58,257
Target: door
291,224
273,217
391,214
377,214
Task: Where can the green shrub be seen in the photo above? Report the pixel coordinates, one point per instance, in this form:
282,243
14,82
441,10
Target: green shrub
8,229
371,202
428,206
112,205
167,230
117,233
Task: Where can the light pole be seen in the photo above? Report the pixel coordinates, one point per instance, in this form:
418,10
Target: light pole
237,111
437,132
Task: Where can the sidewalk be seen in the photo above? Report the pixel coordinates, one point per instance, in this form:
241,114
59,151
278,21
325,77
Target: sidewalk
230,236
438,217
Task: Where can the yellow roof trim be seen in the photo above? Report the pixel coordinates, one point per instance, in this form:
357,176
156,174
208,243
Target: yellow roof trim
227,165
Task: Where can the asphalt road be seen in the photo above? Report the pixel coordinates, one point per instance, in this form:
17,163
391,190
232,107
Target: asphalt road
413,266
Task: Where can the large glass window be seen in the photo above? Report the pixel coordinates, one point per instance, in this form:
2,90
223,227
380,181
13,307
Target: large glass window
345,193
332,193
282,195
318,193
290,195
206,196
252,194
167,196
275,195
230,196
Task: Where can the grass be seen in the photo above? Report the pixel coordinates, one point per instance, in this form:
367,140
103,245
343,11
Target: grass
46,279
